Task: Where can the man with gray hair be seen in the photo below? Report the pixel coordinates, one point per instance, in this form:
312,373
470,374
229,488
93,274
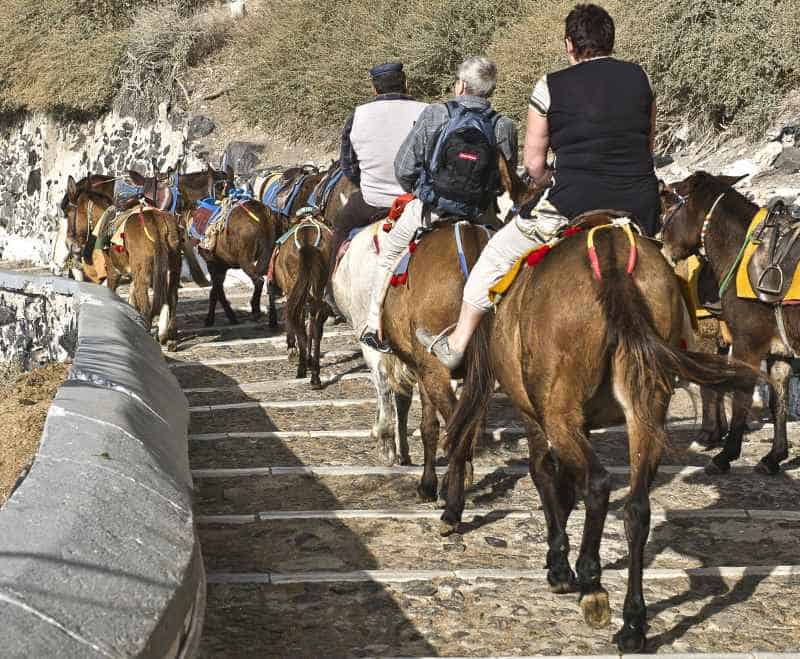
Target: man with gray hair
449,162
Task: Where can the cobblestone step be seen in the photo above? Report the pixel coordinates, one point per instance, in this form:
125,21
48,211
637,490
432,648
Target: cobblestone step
350,447
493,617
498,489
493,541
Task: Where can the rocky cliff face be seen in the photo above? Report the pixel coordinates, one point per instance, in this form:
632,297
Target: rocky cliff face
38,153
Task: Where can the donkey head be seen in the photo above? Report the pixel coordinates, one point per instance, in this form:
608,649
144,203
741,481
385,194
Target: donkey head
522,194
684,206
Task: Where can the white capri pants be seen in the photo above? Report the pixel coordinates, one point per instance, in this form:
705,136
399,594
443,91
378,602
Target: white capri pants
507,246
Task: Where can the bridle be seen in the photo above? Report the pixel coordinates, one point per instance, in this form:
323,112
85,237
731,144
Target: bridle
700,250
72,220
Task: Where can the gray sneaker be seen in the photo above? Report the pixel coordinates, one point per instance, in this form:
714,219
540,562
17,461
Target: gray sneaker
439,347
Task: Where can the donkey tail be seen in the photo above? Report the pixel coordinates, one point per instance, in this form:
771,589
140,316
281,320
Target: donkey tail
195,270
401,378
160,275
470,410
311,279
648,363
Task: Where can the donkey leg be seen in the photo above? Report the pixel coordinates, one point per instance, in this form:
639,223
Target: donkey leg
742,401
402,404
557,495
213,295
645,453
780,372
594,598
381,431
320,315
301,334
174,285
714,425
255,300
272,314
429,429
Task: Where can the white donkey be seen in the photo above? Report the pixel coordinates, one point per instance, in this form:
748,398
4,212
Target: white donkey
352,283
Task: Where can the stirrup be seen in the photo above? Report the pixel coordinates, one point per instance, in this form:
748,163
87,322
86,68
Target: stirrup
369,337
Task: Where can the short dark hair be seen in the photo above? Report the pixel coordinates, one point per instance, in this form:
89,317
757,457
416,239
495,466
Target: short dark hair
591,30
393,82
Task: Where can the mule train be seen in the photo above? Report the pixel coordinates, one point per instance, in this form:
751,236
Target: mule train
627,324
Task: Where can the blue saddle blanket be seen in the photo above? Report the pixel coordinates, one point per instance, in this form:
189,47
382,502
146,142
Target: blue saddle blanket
270,198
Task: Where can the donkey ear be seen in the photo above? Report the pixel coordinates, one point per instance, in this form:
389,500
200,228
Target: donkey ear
509,179
72,190
731,180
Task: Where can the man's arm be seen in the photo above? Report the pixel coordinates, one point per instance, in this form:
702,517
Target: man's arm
347,155
410,157
537,142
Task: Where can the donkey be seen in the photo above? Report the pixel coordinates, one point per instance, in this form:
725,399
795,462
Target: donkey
301,267
151,255
690,225
611,354
247,243
431,294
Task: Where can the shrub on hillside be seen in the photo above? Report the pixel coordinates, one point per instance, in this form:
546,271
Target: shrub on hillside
303,65
161,43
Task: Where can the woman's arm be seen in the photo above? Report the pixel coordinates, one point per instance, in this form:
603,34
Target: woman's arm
537,141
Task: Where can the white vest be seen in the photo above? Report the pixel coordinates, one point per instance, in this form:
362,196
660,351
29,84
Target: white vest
379,128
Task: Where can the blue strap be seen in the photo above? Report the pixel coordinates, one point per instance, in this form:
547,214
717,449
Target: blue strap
402,266
176,194
462,259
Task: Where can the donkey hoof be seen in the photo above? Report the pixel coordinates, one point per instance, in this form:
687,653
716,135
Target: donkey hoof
718,466
596,611
233,320
316,383
172,345
709,439
209,322
562,583
768,466
425,494
631,640
301,374
449,522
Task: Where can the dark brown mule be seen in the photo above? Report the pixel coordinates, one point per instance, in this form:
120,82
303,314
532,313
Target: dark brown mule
752,323
245,243
610,354
301,268
283,221
151,255
430,298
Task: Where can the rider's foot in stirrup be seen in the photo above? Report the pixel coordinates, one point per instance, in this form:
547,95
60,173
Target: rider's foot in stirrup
369,337
440,348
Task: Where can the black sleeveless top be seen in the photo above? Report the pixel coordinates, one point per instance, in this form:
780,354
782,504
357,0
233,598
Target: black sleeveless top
599,123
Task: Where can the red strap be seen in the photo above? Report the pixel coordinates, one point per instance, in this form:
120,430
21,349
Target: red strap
399,205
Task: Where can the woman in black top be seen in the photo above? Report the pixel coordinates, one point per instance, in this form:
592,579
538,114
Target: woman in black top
598,117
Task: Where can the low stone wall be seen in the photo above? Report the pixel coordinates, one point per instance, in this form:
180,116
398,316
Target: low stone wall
99,552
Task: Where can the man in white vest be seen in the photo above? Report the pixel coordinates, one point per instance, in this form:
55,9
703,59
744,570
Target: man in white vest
370,141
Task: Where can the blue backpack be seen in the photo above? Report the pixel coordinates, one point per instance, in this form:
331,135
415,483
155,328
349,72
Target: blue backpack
462,177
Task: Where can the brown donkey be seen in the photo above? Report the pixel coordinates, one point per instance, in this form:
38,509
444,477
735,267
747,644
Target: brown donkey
151,254
301,267
431,297
752,323
610,354
246,242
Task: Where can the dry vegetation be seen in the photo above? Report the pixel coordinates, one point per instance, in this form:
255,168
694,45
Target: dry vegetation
24,401
300,65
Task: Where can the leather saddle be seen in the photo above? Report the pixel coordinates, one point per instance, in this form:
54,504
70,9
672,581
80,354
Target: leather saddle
777,254
156,190
290,179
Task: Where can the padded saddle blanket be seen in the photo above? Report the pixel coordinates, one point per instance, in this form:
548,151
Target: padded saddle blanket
212,216
281,190
322,192
126,193
768,270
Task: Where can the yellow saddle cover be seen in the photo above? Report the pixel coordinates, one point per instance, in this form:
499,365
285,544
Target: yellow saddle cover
744,288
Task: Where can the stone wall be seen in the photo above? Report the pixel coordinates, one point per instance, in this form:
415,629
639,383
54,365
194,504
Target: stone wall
38,153
36,327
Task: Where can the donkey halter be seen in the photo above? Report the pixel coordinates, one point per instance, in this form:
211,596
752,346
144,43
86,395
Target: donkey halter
682,201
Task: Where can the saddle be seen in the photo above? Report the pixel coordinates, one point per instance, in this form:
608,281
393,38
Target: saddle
159,192
772,265
322,191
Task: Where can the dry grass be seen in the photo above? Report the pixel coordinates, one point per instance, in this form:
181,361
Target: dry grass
24,401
